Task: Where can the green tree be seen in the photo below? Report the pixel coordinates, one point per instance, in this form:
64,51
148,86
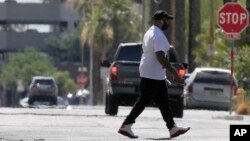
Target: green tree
24,65
109,21
242,63
66,47
212,57
105,24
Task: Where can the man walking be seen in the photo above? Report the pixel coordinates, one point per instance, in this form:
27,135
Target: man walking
153,67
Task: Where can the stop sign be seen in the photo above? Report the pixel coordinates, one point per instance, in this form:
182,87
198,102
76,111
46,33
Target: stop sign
232,18
82,79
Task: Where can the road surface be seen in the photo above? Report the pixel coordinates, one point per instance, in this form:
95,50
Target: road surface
89,123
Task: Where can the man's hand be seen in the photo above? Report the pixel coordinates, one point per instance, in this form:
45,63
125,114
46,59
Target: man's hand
178,79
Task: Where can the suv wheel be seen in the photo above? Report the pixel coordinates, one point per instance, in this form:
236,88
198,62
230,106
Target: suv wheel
31,101
178,108
53,101
106,104
111,106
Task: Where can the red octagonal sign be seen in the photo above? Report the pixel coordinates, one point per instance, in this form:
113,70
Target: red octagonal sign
232,18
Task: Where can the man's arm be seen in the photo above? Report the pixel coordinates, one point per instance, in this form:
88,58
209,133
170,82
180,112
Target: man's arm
166,64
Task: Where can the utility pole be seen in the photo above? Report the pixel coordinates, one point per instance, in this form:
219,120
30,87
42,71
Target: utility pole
211,33
91,57
143,17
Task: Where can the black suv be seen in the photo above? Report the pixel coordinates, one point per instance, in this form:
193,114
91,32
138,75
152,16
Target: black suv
122,83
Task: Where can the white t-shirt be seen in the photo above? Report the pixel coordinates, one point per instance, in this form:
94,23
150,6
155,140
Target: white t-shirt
154,40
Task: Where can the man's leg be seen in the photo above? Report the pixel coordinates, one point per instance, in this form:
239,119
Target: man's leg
146,89
146,95
161,98
162,101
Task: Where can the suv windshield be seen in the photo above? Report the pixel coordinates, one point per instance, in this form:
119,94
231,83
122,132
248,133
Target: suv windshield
130,53
214,77
44,82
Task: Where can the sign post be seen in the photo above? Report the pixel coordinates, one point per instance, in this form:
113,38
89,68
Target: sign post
233,19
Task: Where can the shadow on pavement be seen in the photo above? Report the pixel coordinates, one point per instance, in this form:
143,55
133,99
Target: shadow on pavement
60,103
156,139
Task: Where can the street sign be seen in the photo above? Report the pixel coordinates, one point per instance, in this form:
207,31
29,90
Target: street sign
232,36
82,80
233,18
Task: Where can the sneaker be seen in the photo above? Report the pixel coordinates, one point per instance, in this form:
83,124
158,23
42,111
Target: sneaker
177,131
127,131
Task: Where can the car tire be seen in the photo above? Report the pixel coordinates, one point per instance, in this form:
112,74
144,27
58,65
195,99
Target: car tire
111,106
178,108
53,101
31,101
187,103
106,104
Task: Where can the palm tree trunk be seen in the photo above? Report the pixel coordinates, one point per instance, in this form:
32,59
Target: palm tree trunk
168,5
179,28
194,30
97,85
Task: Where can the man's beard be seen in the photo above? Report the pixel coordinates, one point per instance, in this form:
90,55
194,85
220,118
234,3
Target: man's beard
164,26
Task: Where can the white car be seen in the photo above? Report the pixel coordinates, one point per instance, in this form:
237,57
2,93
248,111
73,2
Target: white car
209,88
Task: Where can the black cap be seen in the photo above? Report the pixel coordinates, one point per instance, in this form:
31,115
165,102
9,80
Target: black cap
160,14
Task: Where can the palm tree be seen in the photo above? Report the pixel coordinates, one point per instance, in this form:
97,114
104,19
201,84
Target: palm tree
194,30
180,40
104,26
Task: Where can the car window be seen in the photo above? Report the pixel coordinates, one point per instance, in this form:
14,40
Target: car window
130,53
214,77
44,82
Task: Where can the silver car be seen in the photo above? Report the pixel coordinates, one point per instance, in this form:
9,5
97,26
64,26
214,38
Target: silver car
209,88
43,88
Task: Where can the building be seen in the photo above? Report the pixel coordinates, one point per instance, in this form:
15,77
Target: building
18,22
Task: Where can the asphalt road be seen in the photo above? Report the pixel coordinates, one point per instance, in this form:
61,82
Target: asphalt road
88,123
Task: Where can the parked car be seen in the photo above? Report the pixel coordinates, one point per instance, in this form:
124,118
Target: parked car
209,88
122,82
81,97
43,88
